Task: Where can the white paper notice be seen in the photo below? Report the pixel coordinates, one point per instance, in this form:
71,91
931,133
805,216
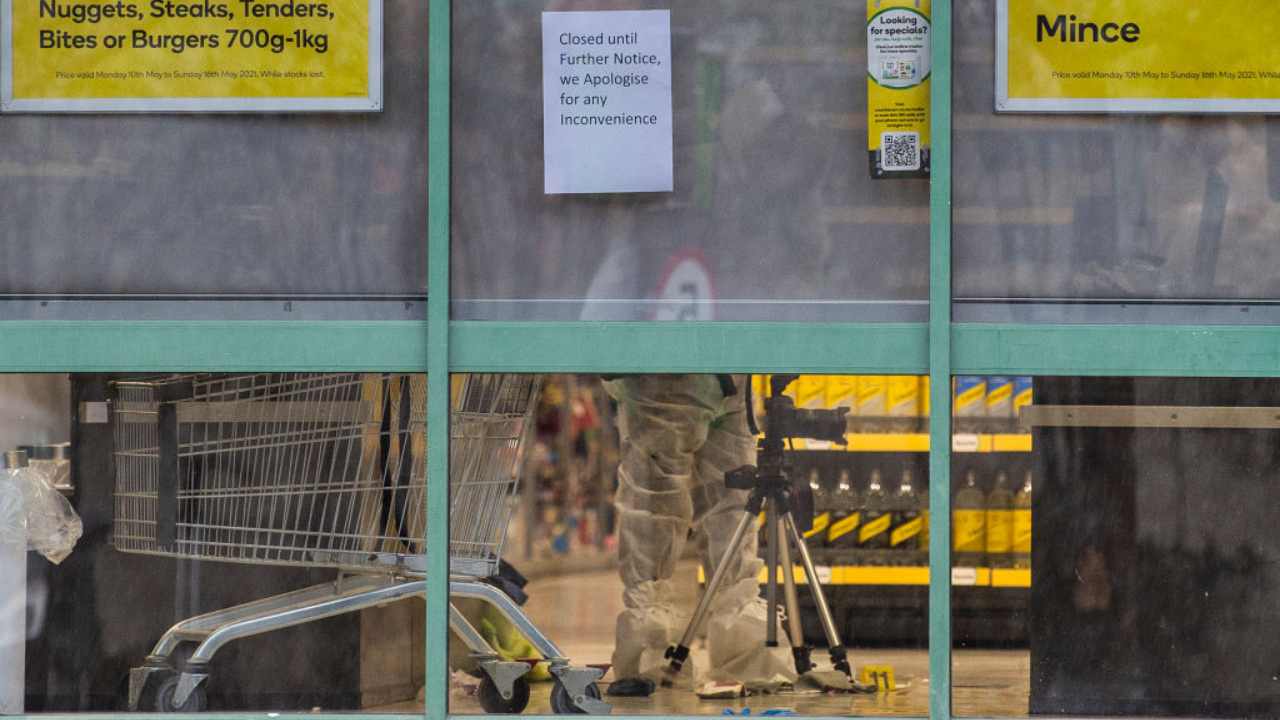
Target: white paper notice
606,102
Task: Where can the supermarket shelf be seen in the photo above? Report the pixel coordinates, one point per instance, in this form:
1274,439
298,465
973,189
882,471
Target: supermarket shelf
1011,577
909,575
919,443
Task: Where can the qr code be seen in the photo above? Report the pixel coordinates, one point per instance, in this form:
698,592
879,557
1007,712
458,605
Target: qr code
900,151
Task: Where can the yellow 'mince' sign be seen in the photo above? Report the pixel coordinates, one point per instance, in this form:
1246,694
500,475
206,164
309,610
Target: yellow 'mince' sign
1188,56
191,55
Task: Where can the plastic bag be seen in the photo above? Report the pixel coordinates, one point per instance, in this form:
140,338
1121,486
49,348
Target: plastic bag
53,527
56,472
13,518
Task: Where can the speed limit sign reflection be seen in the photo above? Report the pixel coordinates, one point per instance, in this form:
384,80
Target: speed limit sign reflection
686,291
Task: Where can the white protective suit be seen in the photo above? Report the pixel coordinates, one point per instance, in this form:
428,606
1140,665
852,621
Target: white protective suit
680,434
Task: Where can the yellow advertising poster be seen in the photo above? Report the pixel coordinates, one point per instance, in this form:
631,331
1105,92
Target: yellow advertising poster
899,41
1189,56
190,55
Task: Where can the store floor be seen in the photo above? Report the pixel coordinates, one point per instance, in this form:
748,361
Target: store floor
577,611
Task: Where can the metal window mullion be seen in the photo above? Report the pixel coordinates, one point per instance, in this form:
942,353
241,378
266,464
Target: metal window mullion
436,688
940,329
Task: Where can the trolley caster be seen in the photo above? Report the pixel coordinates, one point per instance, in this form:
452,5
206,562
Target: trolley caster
493,702
565,703
196,702
160,691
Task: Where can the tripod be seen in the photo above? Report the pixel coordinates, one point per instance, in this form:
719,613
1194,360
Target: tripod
771,492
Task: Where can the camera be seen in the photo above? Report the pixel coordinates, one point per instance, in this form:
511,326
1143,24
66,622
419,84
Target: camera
785,420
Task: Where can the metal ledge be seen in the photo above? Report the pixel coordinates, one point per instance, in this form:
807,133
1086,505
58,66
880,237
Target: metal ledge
1152,416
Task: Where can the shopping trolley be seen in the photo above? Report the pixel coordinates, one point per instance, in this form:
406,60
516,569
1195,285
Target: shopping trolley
323,470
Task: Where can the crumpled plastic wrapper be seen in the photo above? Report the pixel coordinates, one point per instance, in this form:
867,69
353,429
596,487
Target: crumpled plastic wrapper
52,525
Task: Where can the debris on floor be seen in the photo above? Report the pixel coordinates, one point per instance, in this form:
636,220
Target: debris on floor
506,640
721,690
769,688
832,681
463,685
631,687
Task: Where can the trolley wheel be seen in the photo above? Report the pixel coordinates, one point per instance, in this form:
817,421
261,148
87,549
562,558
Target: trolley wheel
493,702
197,702
563,704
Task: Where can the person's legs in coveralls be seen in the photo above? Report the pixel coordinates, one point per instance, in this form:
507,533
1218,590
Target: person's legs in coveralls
680,434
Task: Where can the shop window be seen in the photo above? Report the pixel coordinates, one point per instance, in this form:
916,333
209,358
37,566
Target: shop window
624,500
244,216
1122,217
172,542
1132,568
774,213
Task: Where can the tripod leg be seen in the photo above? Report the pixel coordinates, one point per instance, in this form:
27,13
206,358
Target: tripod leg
799,649
775,540
839,657
680,653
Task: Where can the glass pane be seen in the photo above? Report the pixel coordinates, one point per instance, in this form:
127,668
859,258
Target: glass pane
774,215
192,532
608,530
288,217
992,461
1131,554
1107,218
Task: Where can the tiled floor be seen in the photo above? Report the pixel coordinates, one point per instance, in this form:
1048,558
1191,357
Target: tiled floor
577,611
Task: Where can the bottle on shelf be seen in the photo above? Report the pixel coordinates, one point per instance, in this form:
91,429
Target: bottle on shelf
845,515
1000,522
876,517
1022,524
1022,397
907,522
873,403
969,523
903,406
842,392
817,531
1000,404
969,400
811,392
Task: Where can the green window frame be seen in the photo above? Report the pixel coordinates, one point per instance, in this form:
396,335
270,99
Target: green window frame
439,347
